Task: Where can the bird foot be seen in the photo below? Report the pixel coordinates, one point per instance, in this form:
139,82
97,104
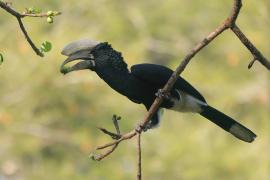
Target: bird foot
141,128
161,94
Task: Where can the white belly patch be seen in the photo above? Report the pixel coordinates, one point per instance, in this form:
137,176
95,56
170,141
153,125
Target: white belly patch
187,103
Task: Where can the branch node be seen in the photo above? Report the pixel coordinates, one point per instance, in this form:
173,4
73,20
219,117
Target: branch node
252,62
113,135
139,128
249,45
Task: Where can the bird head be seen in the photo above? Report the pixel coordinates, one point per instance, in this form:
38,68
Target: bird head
79,50
92,55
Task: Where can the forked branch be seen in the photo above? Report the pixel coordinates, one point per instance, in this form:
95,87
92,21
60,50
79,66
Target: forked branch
229,23
19,16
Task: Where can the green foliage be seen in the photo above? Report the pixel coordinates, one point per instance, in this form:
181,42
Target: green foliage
46,46
50,13
33,10
30,10
49,19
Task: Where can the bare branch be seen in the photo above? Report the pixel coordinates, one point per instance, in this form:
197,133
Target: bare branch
99,157
41,15
113,135
124,137
7,6
115,122
117,136
29,40
251,63
254,51
237,4
139,173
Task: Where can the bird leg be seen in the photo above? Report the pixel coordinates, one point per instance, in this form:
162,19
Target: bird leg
149,125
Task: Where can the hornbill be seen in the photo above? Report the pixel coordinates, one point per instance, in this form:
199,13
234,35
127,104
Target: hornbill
141,83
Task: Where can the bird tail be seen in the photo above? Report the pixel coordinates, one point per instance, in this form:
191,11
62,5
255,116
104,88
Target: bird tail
228,124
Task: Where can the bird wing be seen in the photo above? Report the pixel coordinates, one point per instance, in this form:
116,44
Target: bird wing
159,75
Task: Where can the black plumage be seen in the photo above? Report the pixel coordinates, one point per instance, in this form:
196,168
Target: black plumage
143,81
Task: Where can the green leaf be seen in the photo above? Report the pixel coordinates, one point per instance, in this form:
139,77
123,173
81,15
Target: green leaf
33,10
30,10
37,10
46,46
50,13
1,59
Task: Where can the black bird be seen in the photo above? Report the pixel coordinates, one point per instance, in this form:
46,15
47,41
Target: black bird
141,83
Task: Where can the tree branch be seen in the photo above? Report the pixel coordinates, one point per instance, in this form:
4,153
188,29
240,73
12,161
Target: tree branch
29,40
113,135
257,55
229,23
117,136
7,6
139,173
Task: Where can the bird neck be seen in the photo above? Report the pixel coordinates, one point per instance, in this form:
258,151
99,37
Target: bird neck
116,79
109,59
111,67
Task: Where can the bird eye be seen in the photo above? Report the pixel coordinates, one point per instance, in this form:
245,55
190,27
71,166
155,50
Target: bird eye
91,56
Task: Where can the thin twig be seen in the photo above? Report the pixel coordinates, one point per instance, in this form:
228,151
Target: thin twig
254,51
27,37
113,135
41,15
124,137
116,136
251,63
6,6
139,173
99,157
116,125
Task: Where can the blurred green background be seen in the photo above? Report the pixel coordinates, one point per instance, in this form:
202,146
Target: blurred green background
48,121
